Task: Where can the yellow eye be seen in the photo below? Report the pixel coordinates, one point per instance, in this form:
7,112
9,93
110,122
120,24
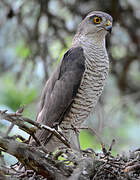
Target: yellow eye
97,20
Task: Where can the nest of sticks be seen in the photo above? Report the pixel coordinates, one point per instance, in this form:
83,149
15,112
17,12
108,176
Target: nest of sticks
36,163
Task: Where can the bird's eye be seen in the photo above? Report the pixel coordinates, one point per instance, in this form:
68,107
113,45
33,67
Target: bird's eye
97,20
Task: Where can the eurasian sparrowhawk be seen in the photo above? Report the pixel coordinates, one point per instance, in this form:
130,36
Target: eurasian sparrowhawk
75,86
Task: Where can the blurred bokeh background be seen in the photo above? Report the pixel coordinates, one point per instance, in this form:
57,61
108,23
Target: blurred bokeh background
33,38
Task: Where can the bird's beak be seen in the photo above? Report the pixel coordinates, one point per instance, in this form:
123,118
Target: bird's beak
108,26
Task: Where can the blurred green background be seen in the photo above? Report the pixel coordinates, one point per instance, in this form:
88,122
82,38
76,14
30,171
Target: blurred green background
33,38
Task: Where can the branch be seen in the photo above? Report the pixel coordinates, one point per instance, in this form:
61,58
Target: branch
20,122
83,165
34,159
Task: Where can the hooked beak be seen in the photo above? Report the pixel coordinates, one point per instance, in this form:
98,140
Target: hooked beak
108,26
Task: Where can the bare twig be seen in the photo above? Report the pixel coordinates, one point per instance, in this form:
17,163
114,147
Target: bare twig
135,167
20,121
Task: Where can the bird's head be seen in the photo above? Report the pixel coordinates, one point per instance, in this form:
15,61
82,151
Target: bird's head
95,24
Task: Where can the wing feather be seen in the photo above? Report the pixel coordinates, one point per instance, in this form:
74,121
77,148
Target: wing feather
60,90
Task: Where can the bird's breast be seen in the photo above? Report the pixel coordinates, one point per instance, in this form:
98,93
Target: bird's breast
89,91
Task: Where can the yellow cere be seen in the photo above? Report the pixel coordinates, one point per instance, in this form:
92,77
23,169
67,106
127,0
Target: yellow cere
97,20
108,23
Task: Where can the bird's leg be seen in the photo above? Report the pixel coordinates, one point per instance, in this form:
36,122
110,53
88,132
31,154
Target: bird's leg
77,136
76,131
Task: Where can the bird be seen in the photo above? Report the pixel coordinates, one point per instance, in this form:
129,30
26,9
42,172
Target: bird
73,89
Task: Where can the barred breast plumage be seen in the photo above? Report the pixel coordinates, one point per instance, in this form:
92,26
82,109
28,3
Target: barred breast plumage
91,86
